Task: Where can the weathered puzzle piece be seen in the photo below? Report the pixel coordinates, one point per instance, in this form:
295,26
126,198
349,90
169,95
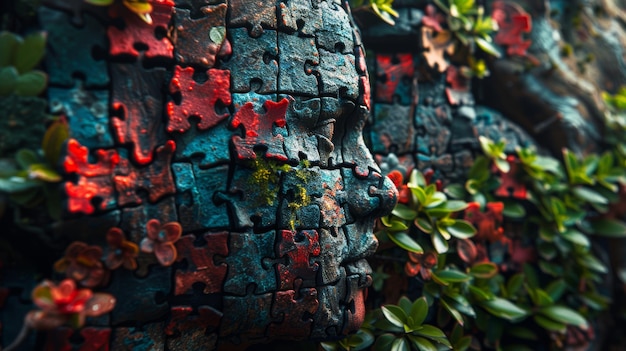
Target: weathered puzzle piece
187,331
206,148
245,264
392,129
137,100
201,266
337,71
197,100
302,117
93,339
86,112
147,337
298,56
335,35
394,78
295,313
196,208
155,179
199,50
300,16
263,15
77,8
329,318
247,315
253,61
70,50
299,248
259,130
151,37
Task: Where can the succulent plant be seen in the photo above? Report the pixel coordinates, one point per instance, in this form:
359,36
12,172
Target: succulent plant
18,59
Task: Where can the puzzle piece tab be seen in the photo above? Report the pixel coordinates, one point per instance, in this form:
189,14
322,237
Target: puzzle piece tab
201,266
247,315
194,49
335,34
136,31
394,77
70,53
197,99
300,16
337,72
300,248
261,15
253,62
137,98
155,178
297,59
259,130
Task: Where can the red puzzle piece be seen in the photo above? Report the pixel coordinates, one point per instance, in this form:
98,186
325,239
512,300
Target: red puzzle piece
156,178
294,324
201,265
96,339
77,160
513,21
393,73
138,31
298,247
197,99
510,185
259,129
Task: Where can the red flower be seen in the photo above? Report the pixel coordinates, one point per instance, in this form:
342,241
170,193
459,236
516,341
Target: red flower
404,194
64,303
420,263
488,223
433,19
82,263
121,251
161,239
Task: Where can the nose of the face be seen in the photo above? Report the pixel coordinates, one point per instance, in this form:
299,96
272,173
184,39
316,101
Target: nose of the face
372,196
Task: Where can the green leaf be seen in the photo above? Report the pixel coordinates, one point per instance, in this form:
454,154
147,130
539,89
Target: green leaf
453,312
440,244
589,195
487,47
609,228
502,165
505,309
53,141
8,45
514,209
461,229
393,225
403,240
31,84
419,311
395,315
400,344
16,185
550,324
406,305
416,179
419,194
576,237
26,158
217,34
514,284
463,343
44,173
384,342
424,224
8,80
30,52
455,191
422,344
404,212
484,270
564,315
452,276
100,2
435,199
556,289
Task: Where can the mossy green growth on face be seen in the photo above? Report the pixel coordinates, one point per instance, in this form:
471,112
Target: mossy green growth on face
265,178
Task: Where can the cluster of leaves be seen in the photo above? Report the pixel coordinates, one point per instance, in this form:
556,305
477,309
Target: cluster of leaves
18,59
141,8
382,8
471,299
30,178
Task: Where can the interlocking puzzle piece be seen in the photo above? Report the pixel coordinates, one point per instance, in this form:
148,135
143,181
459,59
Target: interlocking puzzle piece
510,184
255,18
249,315
367,196
458,93
201,266
295,313
355,310
245,264
77,160
335,35
300,248
251,197
354,153
136,31
187,331
155,178
137,99
147,337
299,190
303,129
70,53
333,252
194,49
329,318
394,78
196,208
436,47
337,72
206,148
253,62
199,100
140,300
512,21
333,215
300,16
259,130
78,8
297,59
86,113
392,130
